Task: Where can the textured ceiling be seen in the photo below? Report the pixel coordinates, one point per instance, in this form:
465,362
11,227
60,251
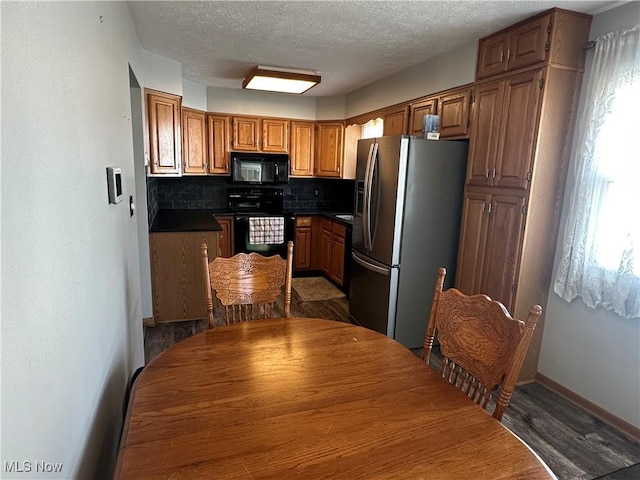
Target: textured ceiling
349,43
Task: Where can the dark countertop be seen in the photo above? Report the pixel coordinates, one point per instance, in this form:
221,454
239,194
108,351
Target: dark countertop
325,213
185,221
197,220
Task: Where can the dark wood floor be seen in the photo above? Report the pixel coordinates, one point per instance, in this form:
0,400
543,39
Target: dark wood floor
574,444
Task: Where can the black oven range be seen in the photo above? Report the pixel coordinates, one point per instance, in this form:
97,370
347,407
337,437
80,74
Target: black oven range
262,225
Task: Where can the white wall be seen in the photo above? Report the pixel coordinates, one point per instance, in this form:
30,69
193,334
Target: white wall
331,108
594,353
444,71
162,73
194,95
71,323
246,102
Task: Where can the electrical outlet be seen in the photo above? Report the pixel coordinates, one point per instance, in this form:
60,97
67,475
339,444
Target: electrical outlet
316,192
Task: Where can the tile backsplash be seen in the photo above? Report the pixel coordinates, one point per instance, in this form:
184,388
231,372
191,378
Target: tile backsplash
211,193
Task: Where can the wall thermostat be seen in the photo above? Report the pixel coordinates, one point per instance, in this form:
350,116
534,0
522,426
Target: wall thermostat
114,183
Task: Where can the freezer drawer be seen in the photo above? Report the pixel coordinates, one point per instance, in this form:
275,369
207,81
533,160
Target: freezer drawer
372,291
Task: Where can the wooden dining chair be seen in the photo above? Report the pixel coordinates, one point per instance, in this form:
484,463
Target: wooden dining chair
247,285
482,346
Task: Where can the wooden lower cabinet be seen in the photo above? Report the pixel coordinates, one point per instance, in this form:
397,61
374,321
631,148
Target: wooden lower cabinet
176,274
302,249
490,240
332,249
225,237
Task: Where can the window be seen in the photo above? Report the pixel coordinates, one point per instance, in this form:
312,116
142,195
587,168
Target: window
617,154
601,251
373,128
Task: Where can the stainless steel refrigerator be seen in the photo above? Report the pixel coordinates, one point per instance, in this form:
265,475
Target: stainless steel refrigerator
408,203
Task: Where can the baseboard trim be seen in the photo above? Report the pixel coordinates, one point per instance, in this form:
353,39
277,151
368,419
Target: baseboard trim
178,320
630,431
148,322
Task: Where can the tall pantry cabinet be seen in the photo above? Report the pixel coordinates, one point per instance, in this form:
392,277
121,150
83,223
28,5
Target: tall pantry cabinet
525,100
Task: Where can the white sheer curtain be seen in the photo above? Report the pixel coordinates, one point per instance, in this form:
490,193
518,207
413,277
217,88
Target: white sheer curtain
601,251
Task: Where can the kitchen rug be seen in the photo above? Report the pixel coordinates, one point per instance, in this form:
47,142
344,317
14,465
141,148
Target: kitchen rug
315,288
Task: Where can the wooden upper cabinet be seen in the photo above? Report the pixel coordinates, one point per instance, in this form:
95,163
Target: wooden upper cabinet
275,135
485,130
329,149
396,121
163,118
257,134
194,142
246,134
301,148
519,129
418,111
453,108
219,133
555,37
529,43
524,44
492,55
504,131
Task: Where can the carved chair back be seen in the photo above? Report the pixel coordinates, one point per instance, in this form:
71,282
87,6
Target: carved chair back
247,285
482,346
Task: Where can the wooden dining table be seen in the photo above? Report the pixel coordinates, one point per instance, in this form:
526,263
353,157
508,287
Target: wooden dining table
308,398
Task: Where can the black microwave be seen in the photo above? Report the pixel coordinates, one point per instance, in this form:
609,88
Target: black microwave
259,168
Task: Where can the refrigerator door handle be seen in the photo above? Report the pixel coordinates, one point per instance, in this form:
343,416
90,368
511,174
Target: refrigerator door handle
366,219
371,163
373,224
369,266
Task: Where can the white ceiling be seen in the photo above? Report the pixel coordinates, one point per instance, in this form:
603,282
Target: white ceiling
349,43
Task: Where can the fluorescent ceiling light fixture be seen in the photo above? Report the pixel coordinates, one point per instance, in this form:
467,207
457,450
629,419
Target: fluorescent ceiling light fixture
274,79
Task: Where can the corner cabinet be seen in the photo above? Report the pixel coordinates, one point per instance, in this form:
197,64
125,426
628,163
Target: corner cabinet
163,120
521,135
301,148
329,149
